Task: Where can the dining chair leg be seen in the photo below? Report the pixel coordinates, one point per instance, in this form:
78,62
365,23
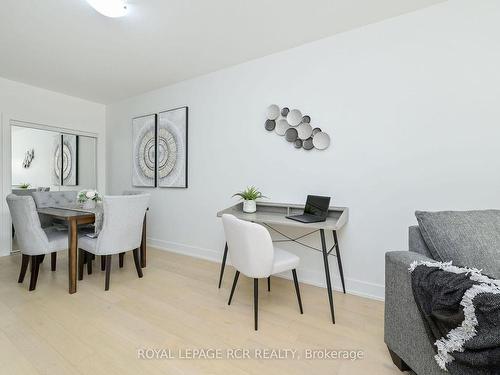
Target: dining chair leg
81,261
103,262
256,300
35,266
53,261
297,290
42,257
24,266
236,275
269,284
108,272
120,259
137,262
89,258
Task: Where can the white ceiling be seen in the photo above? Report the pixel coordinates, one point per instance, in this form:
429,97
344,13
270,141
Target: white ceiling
65,46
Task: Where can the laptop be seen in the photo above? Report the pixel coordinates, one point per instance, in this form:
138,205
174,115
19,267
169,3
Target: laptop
315,211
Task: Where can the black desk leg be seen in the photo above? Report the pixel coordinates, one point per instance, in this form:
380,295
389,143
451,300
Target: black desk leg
339,260
223,265
327,273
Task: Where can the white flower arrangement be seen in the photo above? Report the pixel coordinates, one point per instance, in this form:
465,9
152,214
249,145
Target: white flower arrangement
89,195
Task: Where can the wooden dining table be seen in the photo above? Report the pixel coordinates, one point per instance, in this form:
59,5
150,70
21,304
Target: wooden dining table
73,219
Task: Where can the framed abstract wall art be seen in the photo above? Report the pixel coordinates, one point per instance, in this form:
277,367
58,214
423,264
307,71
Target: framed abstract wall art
144,151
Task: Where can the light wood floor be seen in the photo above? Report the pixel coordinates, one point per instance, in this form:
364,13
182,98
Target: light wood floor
176,306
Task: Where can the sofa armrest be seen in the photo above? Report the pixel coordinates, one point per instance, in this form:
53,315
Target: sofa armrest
404,331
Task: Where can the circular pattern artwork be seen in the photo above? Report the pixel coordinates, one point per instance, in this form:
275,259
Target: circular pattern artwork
66,161
273,112
296,128
167,152
146,154
304,130
294,117
291,135
281,127
270,125
321,140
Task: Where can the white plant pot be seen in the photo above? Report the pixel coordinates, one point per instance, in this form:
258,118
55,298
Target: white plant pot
89,204
249,206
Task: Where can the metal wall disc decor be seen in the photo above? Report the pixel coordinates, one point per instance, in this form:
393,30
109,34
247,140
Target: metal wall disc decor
308,144
294,117
304,130
281,127
273,112
321,140
291,135
270,125
296,128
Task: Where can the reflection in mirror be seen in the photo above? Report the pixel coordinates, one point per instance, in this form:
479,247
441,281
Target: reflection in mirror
37,158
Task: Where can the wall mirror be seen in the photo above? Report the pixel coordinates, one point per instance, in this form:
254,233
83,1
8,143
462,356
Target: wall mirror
51,160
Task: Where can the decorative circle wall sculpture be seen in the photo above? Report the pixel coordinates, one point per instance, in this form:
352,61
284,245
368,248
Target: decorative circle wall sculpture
308,144
291,135
270,125
273,112
294,117
321,141
296,128
304,130
281,127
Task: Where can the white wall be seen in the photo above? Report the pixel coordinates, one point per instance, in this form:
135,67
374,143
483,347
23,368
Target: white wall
31,104
411,103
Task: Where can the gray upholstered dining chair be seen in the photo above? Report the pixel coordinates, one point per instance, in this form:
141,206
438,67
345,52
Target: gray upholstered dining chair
121,230
34,242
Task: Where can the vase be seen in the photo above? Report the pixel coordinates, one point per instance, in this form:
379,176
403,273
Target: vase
249,206
88,204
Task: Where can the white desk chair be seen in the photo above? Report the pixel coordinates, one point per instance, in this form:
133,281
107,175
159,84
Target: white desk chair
253,254
121,230
34,242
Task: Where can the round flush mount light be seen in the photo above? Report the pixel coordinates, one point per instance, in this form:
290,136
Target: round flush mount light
109,8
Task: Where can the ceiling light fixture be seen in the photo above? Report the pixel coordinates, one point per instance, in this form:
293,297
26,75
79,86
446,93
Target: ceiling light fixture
109,8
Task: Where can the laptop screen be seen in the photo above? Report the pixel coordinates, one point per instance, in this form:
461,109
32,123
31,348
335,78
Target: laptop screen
317,206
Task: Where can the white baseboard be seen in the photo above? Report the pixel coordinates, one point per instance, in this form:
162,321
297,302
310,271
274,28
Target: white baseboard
307,276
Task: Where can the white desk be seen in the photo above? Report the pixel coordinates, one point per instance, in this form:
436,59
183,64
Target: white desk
269,214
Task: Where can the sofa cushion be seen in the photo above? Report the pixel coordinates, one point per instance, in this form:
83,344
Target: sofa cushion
467,238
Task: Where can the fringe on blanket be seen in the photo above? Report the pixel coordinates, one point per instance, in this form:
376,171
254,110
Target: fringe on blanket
456,338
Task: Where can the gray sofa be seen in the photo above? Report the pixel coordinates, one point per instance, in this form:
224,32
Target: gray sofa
404,331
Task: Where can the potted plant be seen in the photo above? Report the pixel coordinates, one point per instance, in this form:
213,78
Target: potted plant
249,196
88,198
24,186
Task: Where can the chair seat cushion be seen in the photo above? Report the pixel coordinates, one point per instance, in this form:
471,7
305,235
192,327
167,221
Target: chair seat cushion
88,244
467,238
58,239
284,261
